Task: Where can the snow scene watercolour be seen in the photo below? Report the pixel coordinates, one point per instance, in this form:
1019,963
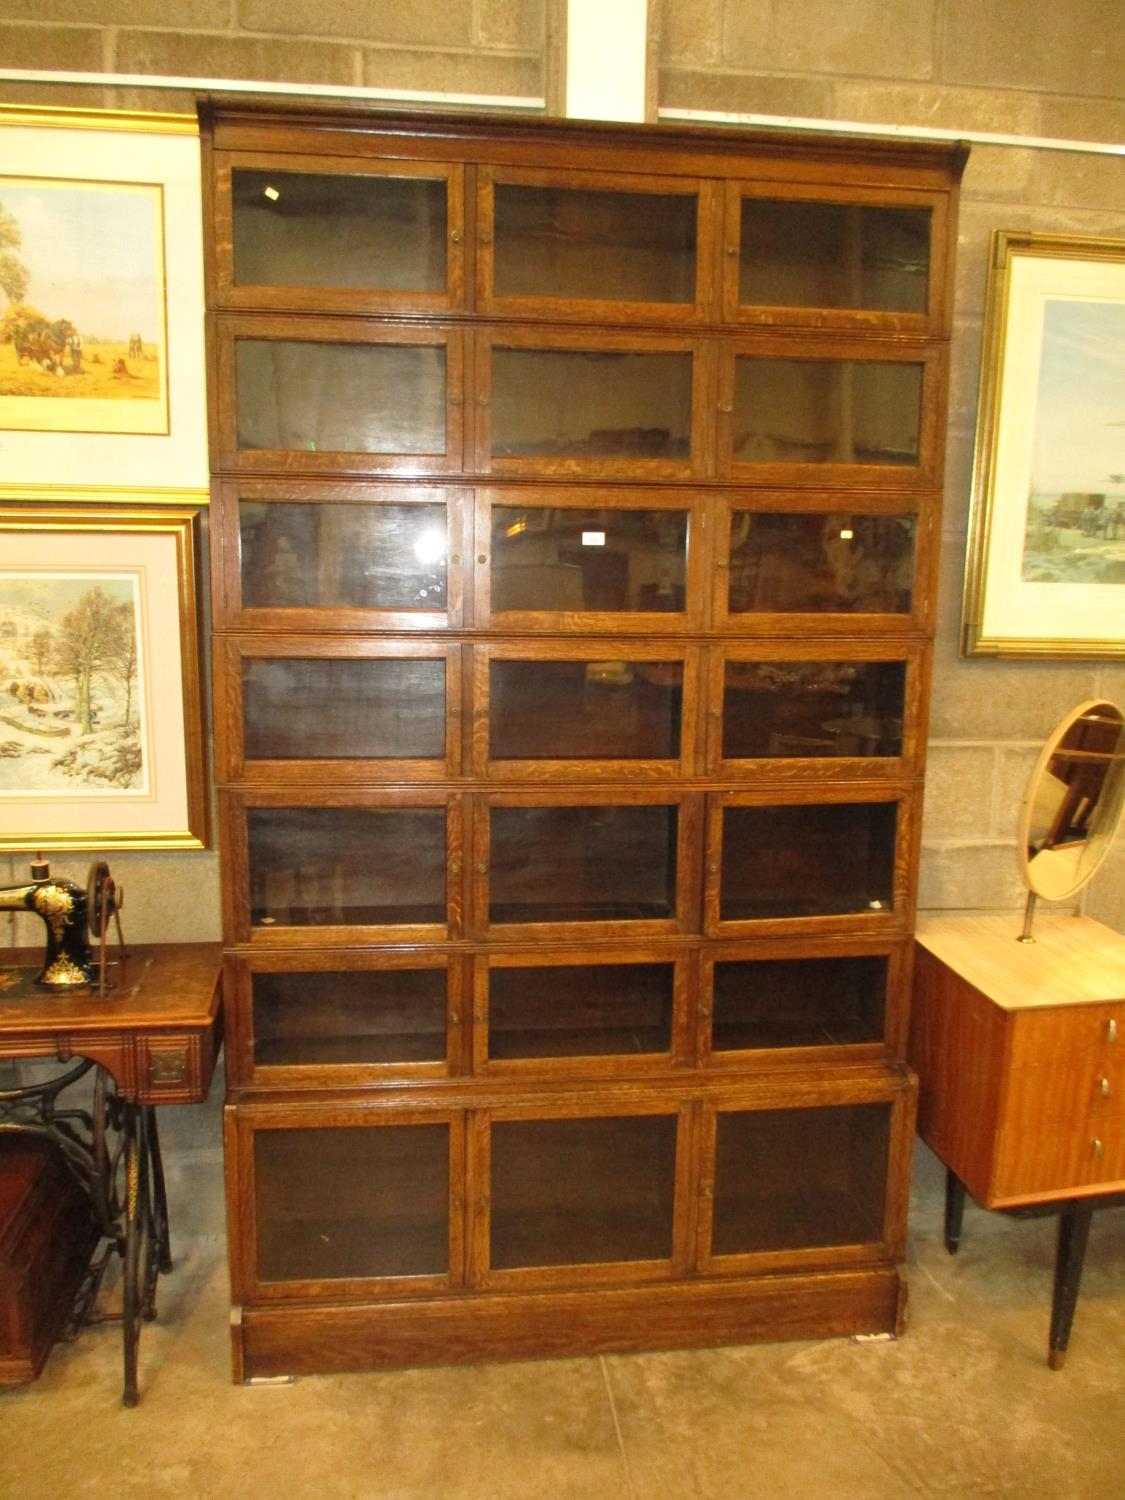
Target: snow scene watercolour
72,715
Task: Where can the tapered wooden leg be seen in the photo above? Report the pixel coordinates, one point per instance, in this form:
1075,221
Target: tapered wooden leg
1074,1231
954,1210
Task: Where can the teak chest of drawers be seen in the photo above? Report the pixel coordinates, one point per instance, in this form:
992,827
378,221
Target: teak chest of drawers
1020,1052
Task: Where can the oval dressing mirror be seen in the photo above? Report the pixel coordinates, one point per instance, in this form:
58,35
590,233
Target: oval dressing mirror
1073,804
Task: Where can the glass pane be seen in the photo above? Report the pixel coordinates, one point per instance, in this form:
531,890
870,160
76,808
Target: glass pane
297,556
584,710
568,242
359,231
550,558
819,708
845,255
366,1016
361,710
832,562
787,1179
340,398
333,865
573,1192
826,411
352,1202
807,861
586,403
580,1010
582,864
804,1002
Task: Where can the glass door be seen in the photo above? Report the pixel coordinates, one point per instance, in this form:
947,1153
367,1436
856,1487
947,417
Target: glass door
338,234
594,1194
594,246
349,1201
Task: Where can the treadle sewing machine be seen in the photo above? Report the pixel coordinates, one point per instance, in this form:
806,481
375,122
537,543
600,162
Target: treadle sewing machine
147,1036
68,911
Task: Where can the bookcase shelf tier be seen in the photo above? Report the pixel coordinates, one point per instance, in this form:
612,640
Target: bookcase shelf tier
576,495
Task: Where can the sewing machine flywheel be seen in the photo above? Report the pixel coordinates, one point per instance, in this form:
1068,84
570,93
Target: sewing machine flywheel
103,899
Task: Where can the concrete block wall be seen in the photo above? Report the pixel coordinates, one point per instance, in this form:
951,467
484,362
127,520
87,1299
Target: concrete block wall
492,47
1030,68
1026,67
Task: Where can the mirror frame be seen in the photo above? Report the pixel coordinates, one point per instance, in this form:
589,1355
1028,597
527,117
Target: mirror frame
1104,818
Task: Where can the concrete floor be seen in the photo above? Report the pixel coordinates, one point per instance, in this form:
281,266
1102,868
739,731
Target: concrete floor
963,1405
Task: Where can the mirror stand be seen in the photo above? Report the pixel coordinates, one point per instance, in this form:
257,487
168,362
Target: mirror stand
1028,917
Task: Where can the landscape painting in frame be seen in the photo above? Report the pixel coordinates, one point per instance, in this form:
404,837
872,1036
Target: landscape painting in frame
1075,527
1046,563
83,341
72,714
101,724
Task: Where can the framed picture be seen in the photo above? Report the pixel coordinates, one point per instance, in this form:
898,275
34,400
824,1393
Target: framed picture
1045,574
102,383
101,726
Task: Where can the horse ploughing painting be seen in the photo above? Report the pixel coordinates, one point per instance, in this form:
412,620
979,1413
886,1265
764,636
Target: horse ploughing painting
83,339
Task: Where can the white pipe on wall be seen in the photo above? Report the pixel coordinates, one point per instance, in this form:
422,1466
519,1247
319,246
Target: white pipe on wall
504,101
913,132
242,86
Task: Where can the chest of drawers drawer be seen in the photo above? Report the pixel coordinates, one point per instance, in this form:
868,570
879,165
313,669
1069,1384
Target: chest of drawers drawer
1092,1034
1064,1091
1056,1160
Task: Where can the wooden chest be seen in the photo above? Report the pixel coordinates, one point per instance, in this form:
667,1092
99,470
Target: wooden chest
47,1235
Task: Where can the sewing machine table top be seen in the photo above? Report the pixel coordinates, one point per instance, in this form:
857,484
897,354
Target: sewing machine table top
157,1029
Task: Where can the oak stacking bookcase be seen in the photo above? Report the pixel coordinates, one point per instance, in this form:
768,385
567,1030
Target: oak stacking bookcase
576,497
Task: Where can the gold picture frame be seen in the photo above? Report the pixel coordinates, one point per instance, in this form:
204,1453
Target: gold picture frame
101,719
1045,572
102,366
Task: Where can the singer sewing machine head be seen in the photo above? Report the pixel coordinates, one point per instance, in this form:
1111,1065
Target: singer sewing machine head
70,914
